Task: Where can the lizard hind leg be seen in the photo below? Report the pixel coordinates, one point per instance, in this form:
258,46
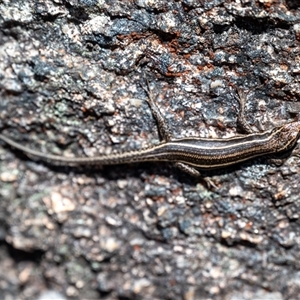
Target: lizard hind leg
163,127
241,120
188,169
195,173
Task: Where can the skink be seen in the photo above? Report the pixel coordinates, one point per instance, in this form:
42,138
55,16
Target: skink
189,154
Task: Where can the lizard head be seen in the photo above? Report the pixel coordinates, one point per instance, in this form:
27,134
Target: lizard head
287,136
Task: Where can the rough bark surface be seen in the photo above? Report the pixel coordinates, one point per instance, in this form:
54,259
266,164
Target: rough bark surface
71,76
